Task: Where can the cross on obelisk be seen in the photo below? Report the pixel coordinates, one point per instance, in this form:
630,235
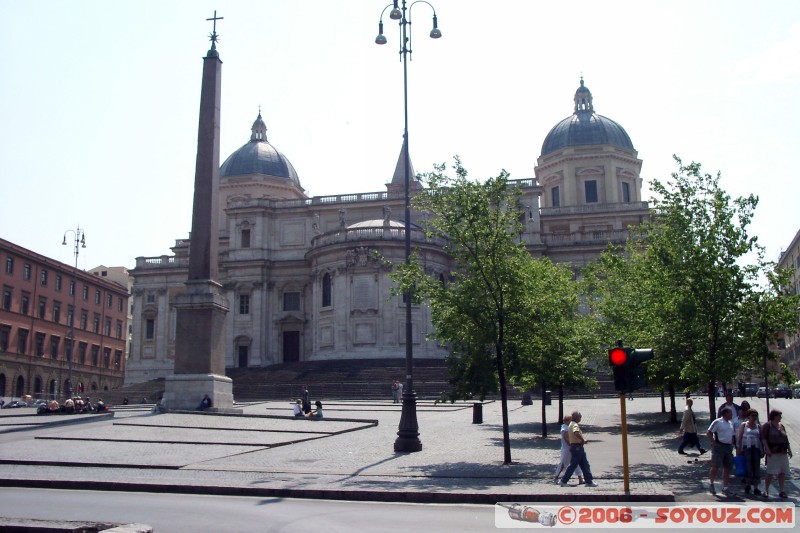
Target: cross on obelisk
202,307
213,35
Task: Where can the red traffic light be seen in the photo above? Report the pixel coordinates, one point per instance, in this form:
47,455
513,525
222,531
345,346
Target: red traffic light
617,356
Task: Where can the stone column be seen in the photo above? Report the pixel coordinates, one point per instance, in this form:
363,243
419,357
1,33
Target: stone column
201,310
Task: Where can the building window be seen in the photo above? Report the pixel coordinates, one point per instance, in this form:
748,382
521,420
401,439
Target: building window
326,290
149,329
291,301
95,355
58,282
22,341
626,192
72,287
84,319
106,357
9,265
44,278
97,297
119,304
82,353
26,272
555,197
117,358
56,312
5,334
39,345
70,315
7,298
85,294
245,238
151,298
107,329
119,329
96,323
590,187
109,301
54,342
244,304
42,307
25,303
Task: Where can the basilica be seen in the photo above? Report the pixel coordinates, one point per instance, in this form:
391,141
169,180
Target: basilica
307,278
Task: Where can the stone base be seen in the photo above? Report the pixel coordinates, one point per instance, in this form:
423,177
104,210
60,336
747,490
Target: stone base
183,392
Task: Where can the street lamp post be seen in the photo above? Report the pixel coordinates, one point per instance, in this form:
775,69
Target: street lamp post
80,242
408,430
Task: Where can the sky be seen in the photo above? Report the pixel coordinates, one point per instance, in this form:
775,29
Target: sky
99,101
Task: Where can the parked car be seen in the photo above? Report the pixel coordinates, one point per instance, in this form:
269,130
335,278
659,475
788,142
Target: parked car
14,404
762,393
750,389
783,391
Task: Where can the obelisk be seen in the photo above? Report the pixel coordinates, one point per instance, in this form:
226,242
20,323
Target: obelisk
201,309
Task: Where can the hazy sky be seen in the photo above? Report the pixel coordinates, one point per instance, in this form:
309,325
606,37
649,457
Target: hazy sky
99,101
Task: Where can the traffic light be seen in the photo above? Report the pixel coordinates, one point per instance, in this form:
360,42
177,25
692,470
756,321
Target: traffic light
619,359
637,370
630,372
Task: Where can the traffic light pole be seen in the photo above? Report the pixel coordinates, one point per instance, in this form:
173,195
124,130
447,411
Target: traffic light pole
625,473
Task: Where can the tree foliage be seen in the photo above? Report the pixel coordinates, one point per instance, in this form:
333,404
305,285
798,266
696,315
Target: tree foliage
501,312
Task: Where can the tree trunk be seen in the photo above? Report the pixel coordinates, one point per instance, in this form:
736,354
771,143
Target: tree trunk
544,410
501,375
663,405
560,402
673,416
712,399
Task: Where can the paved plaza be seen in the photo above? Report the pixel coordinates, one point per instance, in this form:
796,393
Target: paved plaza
349,454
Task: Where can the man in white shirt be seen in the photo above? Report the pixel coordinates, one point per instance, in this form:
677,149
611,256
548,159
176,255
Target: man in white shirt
729,403
721,434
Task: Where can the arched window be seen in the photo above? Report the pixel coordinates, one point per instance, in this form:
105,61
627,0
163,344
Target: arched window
326,290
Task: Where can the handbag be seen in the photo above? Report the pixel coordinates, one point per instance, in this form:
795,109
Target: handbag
738,463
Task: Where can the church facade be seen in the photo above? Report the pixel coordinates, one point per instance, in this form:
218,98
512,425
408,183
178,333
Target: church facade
306,278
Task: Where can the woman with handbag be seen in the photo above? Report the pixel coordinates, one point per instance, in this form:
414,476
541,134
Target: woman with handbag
776,445
750,448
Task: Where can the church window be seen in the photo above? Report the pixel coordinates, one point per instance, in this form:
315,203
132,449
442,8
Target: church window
291,301
149,329
590,188
244,304
626,192
245,238
151,298
326,290
555,196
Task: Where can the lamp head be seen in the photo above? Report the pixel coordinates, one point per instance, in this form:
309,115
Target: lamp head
381,38
395,13
435,32
65,240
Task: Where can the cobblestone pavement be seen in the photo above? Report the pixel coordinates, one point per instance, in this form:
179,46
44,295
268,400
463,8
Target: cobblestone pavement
350,455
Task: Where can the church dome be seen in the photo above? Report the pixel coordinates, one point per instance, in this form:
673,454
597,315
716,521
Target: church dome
585,127
259,157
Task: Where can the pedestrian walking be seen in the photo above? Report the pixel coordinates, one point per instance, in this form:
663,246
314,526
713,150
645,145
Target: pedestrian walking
749,445
778,451
566,457
722,436
689,430
576,444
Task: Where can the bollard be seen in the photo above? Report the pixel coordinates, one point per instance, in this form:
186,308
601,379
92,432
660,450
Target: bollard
526,399
548,397
477,413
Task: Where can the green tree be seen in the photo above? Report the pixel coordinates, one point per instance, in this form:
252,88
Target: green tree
497,309
685,282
